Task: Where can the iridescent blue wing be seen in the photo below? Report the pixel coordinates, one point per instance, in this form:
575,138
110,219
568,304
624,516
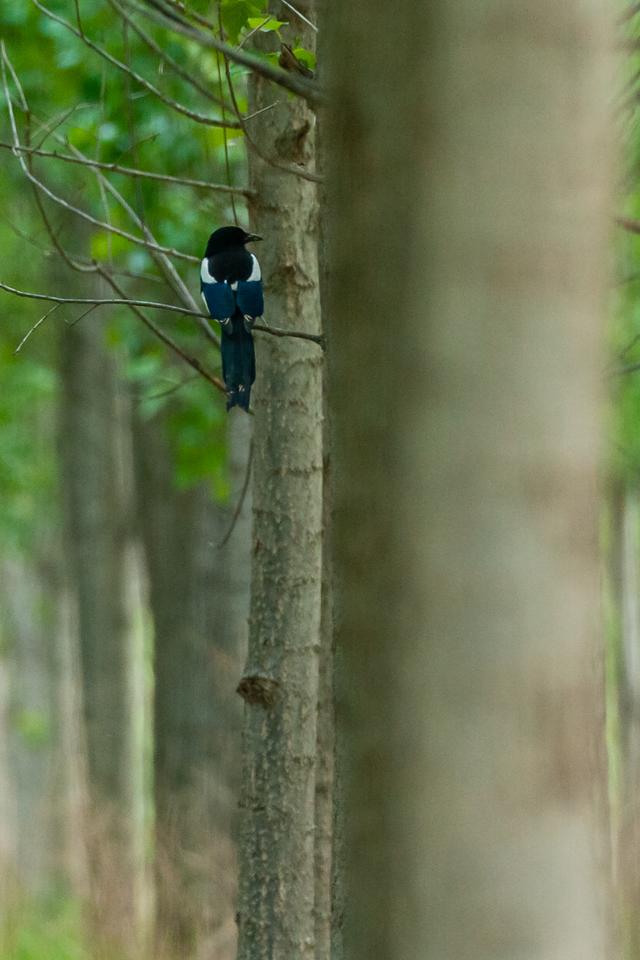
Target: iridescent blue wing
249,298
219,300
249,292
218,296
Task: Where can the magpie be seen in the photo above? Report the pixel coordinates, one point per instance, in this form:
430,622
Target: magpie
231,287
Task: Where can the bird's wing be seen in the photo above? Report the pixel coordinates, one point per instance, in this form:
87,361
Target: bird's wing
249,292
218,296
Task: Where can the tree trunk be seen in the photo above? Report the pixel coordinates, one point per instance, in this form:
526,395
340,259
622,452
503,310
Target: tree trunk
28,622
96,471
280,683
470,172
625,508
197,629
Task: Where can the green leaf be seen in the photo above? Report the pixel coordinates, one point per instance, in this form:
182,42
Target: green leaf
266,25
307,57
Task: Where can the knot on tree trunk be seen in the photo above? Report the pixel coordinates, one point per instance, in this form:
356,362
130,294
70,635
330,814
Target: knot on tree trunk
256,688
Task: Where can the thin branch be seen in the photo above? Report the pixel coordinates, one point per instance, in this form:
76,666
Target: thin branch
299,14
296,84
255,30
85,161
256,113
164,57
169,101
38,323
100,301
51,125
85,313
279,332
152,305
241,499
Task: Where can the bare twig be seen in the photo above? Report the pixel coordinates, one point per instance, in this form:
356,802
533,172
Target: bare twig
129,171
99,301
256,113
37,324
169,101
255,30
85,313
241,499
299,14
279,332
151,304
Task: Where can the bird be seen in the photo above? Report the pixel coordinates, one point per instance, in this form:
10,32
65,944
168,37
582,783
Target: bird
231,287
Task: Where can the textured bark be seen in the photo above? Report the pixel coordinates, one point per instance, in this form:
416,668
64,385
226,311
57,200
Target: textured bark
626,570
324,814
280,683
470,168
197,631
96,469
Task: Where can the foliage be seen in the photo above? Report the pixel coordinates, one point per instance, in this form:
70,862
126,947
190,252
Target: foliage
78,101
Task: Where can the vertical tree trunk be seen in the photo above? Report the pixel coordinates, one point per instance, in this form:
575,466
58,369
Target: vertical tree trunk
28,623
97,513
197,630
469,164
280,683
626,575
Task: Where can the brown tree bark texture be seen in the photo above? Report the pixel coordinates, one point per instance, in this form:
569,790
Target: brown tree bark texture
280,682
96,489
469,168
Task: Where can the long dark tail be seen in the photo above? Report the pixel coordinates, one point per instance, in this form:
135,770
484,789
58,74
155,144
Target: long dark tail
238,362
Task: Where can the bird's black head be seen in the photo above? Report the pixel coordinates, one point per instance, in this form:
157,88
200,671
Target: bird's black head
226,238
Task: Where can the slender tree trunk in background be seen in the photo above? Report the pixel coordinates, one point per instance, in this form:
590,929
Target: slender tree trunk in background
469,165
30,627
626,574
280,683
97,512
195,712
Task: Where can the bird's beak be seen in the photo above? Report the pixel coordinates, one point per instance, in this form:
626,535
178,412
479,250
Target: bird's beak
251,237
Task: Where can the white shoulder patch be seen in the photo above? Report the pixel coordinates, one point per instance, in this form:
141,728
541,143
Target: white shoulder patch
255,270
205,276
